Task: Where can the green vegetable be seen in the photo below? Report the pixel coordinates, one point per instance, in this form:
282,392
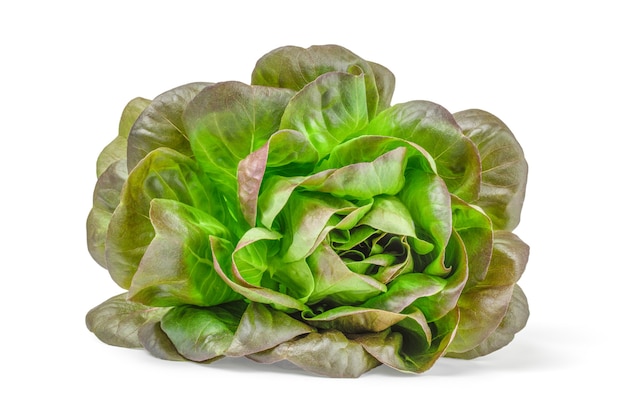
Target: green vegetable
305,218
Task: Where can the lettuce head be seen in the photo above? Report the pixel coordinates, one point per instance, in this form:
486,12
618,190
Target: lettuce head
303,217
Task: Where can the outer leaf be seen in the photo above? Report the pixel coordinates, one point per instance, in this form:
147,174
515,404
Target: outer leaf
161,125
116,150
504,168
177,266
112,172
106,197
484,305
262,328
228,121
131,113
156,342
434,128
294,67
116,321
358,320
328,110
405,349
328,353
201,334
164,173
513,322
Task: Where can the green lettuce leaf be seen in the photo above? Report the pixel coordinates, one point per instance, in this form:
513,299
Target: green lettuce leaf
362,181
433,128
328,110
334,281
227,121
294,67
224,255
202,334
429,203
176,268
165,174
261,328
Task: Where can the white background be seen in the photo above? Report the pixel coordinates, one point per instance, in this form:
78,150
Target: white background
553,71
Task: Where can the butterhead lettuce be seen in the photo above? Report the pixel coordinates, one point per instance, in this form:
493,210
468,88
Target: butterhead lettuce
303,217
